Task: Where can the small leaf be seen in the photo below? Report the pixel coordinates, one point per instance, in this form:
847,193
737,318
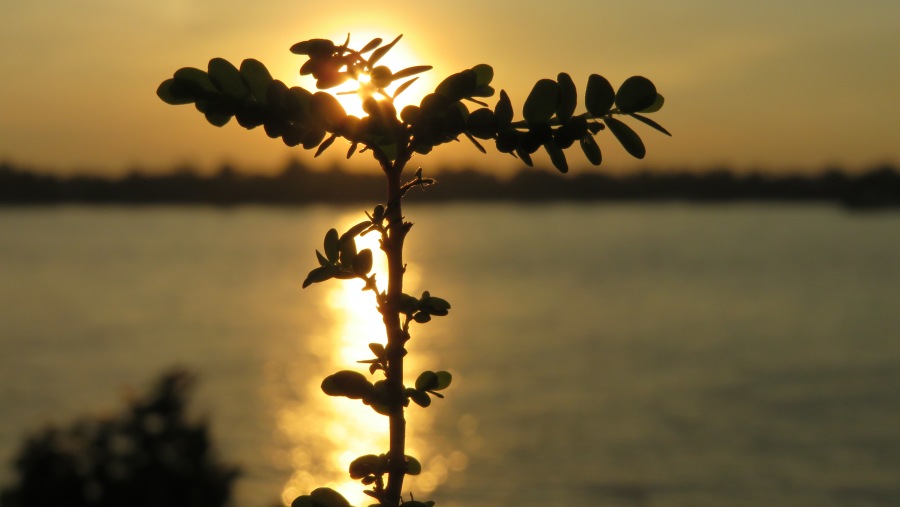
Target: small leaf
557,156
314,47
327,497
320,274
591,150
218,119
327,111
377,349
351,384
413,467
427,381
422,317
627,137
355,231
196,80
362,264
173,94
332,245
257,77
411,71
322,260
325,145
369,464
347,252
599,96
408,304
503,111
444,379
651,123
374,43
656,106
484,74
380,52
568,97
303,501
403,86
542,102
421,398
636,94
227,78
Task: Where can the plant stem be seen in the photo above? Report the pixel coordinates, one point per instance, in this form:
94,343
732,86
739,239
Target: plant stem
396,337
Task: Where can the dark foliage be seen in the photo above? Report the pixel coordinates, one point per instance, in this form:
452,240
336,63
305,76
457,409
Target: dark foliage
150,455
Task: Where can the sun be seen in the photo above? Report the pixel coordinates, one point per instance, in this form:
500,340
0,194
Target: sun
400,57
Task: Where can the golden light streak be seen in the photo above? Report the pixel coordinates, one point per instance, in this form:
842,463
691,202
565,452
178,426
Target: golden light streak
328,433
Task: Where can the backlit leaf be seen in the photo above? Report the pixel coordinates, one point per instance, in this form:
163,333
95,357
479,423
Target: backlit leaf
557,156
427,381
599,96
636,94
380,52
651,123
227,78
411,71
347,383
362,264
484,74
332,245
503,111
327,497
170,93
257,78
591,150
374,43
627,137
320,274
568,97
542,102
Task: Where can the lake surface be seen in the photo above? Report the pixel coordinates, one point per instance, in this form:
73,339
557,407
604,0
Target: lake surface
616,355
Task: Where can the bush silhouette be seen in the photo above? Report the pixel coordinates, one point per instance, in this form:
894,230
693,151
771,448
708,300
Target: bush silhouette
315,120
150,455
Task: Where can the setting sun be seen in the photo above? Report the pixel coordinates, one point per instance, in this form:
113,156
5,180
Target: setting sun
352,93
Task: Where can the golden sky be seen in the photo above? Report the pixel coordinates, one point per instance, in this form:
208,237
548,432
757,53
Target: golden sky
765,84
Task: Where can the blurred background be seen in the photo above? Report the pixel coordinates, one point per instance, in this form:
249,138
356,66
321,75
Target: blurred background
714,325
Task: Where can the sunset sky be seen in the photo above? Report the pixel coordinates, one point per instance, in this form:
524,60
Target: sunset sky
754,85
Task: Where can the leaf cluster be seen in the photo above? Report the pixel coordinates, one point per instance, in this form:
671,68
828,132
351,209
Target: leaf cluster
341,259
315,120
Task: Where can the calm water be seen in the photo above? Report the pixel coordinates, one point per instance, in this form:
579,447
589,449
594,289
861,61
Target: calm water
602,355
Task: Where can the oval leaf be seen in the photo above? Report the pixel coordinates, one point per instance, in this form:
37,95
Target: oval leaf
332,245
362,264
541,103
627,137
591,150
257,78
327,497
227,78
427,381
568,97
172,93
599,96
636,94
557,156
503,111
351,384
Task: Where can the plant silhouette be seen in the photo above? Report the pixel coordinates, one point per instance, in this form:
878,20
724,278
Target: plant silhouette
150,455
315,120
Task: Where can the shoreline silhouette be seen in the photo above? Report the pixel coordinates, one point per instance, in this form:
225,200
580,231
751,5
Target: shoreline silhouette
296,184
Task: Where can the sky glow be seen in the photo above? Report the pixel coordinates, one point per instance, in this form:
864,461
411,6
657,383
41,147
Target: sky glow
753,85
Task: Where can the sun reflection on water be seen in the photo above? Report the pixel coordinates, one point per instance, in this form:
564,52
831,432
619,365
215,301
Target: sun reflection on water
326,433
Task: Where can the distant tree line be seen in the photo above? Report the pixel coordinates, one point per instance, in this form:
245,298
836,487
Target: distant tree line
878,187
